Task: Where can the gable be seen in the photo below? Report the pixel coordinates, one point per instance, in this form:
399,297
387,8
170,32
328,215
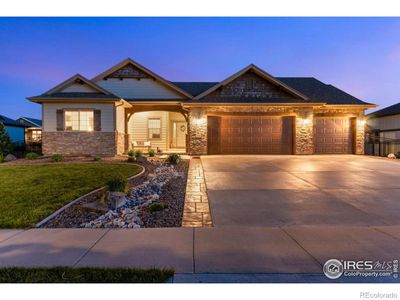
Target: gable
78,87
132,81
128,71
145,88
249,87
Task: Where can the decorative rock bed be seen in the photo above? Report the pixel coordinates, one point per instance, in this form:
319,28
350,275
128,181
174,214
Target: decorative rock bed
127,216
159,183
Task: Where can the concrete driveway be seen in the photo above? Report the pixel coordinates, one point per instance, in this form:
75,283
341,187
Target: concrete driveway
340,190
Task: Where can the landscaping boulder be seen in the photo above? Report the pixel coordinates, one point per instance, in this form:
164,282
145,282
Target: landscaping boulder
115,199
391,156
9,157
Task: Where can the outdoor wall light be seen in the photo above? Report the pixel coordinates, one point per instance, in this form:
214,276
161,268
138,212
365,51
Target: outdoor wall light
305,122
360,122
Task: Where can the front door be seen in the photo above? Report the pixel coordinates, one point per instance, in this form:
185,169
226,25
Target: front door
179,130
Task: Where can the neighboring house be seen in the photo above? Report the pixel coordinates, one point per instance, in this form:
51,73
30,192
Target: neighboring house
33,133
383,131
250,112
15,130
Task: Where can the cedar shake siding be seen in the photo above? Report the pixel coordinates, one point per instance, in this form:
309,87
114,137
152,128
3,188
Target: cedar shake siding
250,112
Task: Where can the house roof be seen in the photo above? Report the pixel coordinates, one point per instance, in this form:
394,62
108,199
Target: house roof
10,122
34,122
303,89
314,89
76,95
78,77
387,111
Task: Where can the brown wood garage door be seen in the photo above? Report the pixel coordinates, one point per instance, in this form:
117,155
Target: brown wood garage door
333,135
250,135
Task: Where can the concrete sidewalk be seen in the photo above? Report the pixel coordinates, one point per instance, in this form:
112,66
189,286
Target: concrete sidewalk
244,250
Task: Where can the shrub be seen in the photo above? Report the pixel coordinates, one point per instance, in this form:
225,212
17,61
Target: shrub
131,159
152,152
57,157
6,146
1,158
97,158
157,206
32,155
138,153
117,184
398,155
173,158
131,153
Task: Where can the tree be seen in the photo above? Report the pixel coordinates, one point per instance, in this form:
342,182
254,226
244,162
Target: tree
6,145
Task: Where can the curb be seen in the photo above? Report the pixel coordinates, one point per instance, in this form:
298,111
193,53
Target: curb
80,198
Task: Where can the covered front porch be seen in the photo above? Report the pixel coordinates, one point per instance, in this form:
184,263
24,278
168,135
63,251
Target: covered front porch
159,127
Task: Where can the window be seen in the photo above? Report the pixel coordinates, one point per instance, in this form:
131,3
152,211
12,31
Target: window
79,120
36,135
154,128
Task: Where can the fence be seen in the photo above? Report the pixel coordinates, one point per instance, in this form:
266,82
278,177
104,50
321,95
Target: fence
379,146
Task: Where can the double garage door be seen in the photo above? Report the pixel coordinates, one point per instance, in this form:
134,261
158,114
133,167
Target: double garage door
275,135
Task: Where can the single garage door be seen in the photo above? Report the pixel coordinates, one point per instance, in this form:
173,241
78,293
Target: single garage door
333,135
250,135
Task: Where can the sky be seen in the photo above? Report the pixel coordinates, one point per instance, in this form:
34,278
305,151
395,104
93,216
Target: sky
359,55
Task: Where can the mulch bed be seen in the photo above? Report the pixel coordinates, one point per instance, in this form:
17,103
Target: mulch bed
173,197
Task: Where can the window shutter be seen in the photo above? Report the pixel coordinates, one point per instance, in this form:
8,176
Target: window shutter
97,120
60,120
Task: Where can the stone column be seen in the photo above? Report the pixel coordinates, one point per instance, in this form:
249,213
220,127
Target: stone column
360,135
197,132
304,132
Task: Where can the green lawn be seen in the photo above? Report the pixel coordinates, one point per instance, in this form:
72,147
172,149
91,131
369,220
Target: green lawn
29,193
83,275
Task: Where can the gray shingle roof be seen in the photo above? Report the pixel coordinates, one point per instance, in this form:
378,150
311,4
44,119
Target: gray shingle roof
388,111
10,122
195,88
37,122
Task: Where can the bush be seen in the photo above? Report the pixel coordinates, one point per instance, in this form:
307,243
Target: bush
57,157
152,152
32,155
138,153
97,158
173,158
157,206
397,155
1,158
131,153
117,184
131,159
6,146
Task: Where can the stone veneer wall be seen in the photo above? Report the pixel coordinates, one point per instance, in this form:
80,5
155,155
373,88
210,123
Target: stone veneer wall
79,143
304,132
121,142
360,135
197,132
